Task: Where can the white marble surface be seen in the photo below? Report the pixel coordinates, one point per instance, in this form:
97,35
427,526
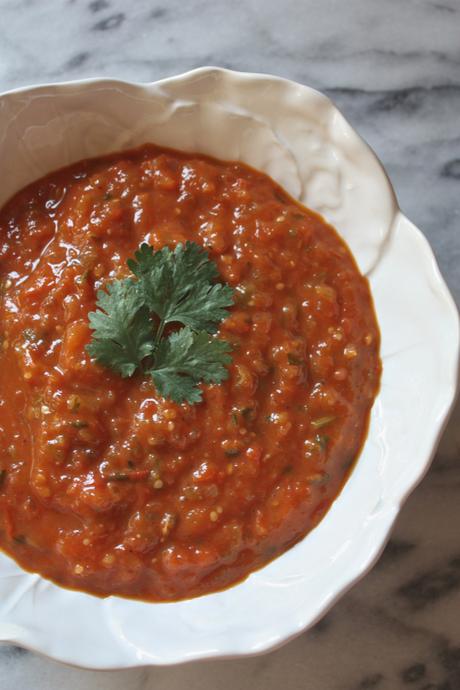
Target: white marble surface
393,67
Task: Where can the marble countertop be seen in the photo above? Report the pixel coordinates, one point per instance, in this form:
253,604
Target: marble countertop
394,69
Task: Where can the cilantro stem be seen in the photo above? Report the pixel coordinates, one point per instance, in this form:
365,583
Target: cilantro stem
159,333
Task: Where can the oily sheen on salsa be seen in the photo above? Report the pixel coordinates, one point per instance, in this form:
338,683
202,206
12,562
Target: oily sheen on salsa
108,487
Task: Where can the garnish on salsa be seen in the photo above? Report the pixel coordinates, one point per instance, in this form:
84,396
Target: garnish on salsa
176,287
117,275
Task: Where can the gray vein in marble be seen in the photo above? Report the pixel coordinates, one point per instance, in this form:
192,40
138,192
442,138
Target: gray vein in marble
98,5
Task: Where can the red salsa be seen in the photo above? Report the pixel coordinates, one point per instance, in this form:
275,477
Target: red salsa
107,487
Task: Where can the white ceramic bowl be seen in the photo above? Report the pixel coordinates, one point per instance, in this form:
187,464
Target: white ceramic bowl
298,137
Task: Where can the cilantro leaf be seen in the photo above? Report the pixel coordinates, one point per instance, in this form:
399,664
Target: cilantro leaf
177,286
184,359
122,335
204,307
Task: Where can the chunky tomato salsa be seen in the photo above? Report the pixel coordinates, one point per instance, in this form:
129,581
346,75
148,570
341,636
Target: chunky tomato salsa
111,488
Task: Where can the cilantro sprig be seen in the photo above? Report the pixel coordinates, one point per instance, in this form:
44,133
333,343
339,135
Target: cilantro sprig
169,287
